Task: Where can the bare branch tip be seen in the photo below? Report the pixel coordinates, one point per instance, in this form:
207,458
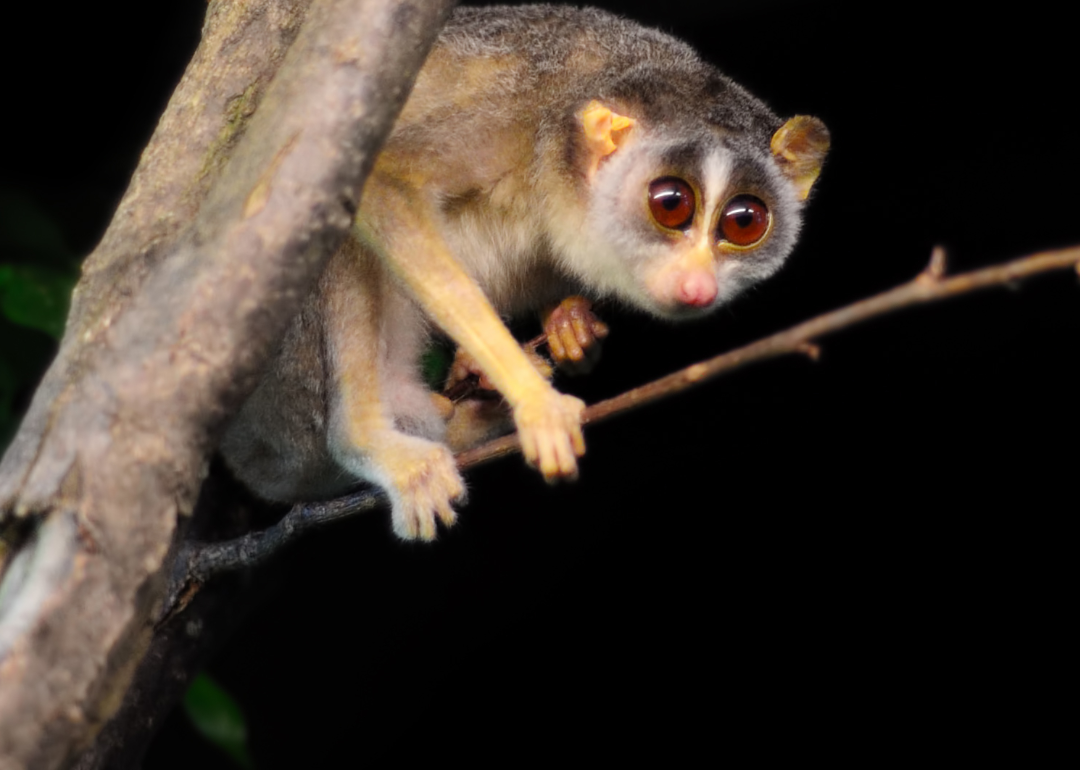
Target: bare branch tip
936,268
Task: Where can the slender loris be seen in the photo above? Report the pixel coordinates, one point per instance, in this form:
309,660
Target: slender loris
544,151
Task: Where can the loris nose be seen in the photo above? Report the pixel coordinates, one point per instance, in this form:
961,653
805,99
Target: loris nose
697,289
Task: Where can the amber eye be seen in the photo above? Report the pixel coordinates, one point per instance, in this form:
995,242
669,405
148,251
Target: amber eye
671,202
744,220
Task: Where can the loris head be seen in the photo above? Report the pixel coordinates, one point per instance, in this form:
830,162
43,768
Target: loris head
679,217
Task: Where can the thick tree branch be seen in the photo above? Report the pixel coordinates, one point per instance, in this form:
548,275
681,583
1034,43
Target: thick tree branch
200,562
248,185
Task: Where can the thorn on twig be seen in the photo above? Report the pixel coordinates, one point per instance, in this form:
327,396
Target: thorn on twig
935,270
810,350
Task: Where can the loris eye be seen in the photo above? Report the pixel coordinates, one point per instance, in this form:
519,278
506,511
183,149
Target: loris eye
744,220
671,203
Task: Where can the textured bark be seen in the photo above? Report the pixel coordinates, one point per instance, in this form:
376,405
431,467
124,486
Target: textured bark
206,616
246,187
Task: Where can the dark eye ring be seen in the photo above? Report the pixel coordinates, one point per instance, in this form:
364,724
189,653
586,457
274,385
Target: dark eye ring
671,202
744,220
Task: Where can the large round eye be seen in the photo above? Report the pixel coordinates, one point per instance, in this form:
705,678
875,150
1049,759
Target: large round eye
671,202
744,220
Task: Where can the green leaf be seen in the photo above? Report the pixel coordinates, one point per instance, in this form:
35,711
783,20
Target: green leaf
37,297
218,718
435,365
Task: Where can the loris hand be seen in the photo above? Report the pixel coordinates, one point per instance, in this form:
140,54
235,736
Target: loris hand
549,428
573,334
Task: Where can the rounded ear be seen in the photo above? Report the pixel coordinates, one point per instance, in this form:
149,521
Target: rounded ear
800,146
604,130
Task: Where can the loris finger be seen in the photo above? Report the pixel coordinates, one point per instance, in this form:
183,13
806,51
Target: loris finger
557,458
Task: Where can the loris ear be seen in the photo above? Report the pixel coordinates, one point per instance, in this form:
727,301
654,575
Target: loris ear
604,131
799,147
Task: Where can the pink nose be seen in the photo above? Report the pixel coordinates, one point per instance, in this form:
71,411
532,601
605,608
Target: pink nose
697,289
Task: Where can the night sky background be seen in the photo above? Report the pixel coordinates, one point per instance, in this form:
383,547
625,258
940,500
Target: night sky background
867,551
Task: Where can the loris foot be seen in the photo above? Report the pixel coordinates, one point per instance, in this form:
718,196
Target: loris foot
573,334
422,481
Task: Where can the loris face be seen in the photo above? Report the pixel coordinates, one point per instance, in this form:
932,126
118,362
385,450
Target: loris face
679,226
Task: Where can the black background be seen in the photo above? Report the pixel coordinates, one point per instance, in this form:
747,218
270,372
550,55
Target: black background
870,550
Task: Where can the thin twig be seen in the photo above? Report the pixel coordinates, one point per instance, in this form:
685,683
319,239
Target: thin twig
205,560
929,286
199,562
